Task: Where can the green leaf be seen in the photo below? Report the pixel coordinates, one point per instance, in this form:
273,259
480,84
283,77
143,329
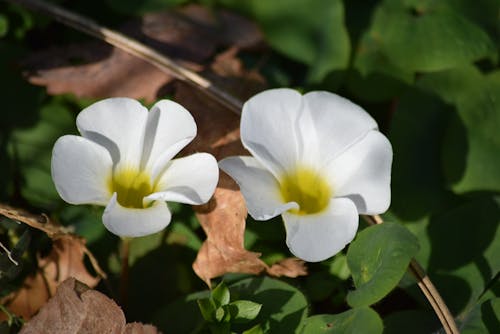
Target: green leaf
220,294
471,143
378,259
417,182
33,149
254,330
244,310
429,36
182,315
484,318
4,25
358,320
207,308
283,306
311,32
469,263
421,322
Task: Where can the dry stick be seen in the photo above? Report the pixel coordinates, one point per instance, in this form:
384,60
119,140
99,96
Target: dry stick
167,65
429,290
135,48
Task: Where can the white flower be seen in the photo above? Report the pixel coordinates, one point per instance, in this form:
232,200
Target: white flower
318,160
123,161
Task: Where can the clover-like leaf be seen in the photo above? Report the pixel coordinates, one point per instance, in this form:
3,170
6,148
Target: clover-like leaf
378,258
358,320
244,310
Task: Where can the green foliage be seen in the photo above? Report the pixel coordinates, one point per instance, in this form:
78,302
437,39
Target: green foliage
310,32
220,313
378,258
357,320
426,70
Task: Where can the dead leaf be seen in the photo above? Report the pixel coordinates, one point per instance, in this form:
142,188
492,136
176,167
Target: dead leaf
289,267
138,328
77,309
223,220
65,260
189,35
40,222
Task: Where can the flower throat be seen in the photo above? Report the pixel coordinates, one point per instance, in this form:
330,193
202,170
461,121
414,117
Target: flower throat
131,186
307,188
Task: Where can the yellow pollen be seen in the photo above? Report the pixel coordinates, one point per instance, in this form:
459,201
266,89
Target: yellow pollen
131,186
307,188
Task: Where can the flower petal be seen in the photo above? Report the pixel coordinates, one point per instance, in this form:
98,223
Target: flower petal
269,125
170,127
363,173
259,187
190,180
81,170
332,123
317,237
131,222
117,124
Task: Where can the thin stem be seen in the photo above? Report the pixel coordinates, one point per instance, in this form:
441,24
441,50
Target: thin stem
124,276
429,290
9,254
135,48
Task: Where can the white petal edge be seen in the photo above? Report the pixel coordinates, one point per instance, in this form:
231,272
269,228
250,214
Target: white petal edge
190,180
269,125
335,122
258,186
117,124
130,222
81,170
317,237
363,174
170,127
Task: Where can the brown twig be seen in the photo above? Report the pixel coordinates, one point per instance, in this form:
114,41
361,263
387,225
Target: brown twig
427,287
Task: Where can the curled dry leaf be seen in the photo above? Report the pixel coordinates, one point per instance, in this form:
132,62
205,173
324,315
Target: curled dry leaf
75,308
223,220
189,35
290,267
40,222
65,260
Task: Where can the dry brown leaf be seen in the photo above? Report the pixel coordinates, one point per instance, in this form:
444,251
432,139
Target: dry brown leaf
40,222
138,328
65,260
106,72
95,70
77,309
290,267
223,220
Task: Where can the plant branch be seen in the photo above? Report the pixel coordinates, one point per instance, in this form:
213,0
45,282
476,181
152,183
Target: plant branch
427,287
135,48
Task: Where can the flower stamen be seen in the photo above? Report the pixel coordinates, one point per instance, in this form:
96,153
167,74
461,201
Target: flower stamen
131,186
307,188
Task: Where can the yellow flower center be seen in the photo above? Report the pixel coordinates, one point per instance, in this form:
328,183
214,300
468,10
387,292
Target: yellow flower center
307,188
131,186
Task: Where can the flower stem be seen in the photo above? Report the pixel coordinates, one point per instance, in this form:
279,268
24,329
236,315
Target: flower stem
124,276
425,284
